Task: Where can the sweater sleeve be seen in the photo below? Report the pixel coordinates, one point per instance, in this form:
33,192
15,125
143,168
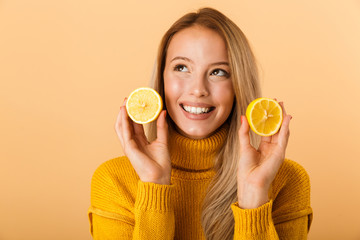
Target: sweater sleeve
254,223
287,215
115,213
154,212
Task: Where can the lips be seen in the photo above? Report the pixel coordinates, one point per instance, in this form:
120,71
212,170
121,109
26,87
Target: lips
197,108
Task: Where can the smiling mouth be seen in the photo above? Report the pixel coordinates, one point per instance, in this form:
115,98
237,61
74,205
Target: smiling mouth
197,110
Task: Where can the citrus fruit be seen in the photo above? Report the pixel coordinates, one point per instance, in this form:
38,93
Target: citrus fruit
144,105
264,116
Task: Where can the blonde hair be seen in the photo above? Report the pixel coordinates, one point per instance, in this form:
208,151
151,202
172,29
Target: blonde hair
217,218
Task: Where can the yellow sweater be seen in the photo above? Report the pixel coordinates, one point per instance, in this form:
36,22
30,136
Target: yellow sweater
123,207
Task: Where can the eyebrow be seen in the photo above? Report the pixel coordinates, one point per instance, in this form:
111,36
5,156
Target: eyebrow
191,61
182,58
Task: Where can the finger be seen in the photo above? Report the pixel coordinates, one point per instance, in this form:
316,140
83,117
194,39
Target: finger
244,134
283,108
162,128
284,132
266,139
283,113
118,127
126,127
118,124
275,137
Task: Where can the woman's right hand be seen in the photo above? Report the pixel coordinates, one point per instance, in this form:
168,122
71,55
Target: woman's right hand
151,161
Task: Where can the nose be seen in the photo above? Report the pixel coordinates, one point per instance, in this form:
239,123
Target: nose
199,87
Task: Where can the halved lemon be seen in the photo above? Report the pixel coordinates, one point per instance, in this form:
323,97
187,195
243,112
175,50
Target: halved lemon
144,105
265,116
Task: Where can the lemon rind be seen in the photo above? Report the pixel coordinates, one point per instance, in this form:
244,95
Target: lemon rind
249,116
156,115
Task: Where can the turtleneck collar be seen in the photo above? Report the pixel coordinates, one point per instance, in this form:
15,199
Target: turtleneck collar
189,155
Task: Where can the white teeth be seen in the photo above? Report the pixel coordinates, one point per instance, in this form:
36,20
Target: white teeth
196,110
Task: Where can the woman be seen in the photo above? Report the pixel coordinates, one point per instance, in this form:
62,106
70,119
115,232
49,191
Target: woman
201,174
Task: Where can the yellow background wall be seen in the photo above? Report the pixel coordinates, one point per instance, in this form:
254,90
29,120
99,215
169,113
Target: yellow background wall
65,67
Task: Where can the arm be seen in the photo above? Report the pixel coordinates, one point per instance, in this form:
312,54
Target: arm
124,207
153,216
257,169
148,213
287,215
258,224
254,223
154,212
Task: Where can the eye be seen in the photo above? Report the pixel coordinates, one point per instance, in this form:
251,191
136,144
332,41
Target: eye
181,68
220,73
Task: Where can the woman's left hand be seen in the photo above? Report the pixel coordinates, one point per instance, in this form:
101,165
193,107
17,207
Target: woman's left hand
258,168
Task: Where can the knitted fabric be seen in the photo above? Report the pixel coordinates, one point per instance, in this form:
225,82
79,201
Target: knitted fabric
123,207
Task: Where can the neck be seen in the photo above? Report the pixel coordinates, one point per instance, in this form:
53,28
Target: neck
196,155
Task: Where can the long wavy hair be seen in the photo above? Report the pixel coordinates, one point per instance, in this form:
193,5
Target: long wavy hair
217,218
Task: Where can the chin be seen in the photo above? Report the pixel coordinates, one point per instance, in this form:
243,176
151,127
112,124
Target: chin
197,133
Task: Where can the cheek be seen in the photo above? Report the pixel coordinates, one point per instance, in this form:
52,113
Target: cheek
224,95
172,88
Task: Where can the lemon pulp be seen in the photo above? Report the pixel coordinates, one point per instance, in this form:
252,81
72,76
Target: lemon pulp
264,116
144,105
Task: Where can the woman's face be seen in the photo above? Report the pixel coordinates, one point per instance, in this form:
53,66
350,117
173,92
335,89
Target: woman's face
197,81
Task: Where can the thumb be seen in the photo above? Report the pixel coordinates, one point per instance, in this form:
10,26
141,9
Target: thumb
162,128
244,134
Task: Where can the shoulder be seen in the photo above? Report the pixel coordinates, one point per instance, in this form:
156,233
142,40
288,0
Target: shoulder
115,168
291,174
291,187
113,182
291,193
293,168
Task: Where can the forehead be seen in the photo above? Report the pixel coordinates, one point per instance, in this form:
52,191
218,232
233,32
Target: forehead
199,44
